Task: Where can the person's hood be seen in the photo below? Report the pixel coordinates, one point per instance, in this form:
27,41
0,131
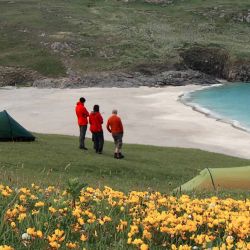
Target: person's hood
79,103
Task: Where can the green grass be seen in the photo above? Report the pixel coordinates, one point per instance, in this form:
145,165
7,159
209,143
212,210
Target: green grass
52,159
114,35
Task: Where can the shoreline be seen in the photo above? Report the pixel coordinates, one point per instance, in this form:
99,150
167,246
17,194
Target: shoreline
209,113
151,116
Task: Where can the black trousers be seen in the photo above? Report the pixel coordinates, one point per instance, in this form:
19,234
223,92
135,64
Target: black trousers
83,130
98,140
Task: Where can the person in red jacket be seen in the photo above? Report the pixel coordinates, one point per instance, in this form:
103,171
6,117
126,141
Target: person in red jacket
96,121
115,127
82,116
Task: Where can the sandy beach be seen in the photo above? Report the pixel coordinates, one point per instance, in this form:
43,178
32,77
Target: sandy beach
151,116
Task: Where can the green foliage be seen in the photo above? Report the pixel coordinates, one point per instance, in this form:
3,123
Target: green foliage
74,188
111,35
49,66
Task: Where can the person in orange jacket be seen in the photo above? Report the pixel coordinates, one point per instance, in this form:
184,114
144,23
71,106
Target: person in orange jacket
115,127
96,121
82,116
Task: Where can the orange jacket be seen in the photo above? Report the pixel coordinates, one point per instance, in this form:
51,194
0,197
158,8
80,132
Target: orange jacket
82,114
95,121
114,124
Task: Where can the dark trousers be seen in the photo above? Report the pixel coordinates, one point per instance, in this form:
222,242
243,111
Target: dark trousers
98,140
83,130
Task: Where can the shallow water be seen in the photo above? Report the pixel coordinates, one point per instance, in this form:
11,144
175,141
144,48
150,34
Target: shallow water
230,102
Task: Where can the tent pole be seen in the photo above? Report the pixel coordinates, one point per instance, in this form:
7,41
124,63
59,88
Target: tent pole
211,179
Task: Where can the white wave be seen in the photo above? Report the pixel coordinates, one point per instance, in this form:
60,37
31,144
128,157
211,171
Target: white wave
211,114
186,96
238,125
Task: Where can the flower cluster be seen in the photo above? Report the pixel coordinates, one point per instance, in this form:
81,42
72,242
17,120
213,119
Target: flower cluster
101,219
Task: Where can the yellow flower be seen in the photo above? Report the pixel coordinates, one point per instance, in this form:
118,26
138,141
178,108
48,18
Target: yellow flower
22,197
122,225
5,193
59,232
147,234
5,247
39,234
54,244
84,237
230,239
185,247
82,199
137,242
21,217
101,222
173,247
52,238
144,247
80,221
13,224
52,210
33,197
106,219
31,231
39,204
129,240
71,245
33,212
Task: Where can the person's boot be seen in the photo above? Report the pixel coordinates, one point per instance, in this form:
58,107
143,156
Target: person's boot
120,156
116,155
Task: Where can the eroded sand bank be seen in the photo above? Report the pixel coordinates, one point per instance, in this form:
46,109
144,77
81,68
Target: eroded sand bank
150,115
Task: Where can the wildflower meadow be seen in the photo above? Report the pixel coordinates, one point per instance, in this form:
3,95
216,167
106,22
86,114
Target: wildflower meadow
82,217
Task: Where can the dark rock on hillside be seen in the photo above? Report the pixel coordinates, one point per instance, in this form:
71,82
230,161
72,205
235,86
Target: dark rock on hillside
239,71
216,61
12,76
209,60
242,17
126,80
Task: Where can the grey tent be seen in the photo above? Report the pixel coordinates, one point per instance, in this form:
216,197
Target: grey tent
11,130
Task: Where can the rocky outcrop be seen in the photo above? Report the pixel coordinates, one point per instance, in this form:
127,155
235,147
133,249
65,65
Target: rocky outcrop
242,16
217,62
12,76
125,80
239,71
209,60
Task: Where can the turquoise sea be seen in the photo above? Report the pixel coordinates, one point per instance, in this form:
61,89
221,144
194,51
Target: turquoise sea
228,102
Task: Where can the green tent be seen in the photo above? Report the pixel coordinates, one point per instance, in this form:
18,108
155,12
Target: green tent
209,179
10,130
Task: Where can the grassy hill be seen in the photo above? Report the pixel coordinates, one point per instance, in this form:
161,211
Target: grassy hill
96,35
53,159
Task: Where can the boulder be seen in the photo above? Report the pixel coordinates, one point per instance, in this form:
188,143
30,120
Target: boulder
239,71
210,60
13,76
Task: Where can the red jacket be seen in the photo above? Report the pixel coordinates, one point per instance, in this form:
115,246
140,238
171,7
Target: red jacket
114,124
95,121
82,114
